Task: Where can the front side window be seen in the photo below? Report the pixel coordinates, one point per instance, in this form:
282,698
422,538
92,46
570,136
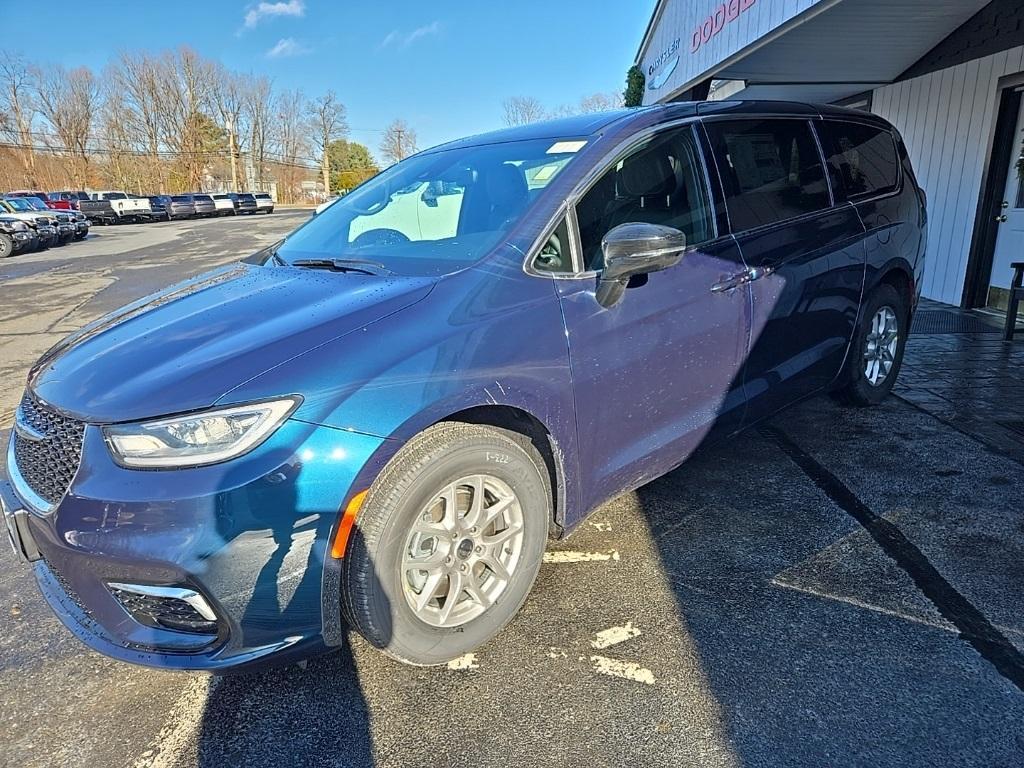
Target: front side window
771,170
661,182
435,212
861,158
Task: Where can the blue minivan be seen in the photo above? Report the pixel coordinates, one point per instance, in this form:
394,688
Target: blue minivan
378,422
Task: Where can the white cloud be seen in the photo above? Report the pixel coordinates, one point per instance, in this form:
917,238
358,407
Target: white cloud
265,10
287,46
404,39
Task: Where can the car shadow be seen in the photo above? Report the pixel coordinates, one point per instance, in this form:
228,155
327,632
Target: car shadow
817,648
299,714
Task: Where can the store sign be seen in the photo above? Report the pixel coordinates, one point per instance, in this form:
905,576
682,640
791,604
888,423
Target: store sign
724,14
663,67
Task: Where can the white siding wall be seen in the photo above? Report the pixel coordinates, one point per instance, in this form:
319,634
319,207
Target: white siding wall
680,18
946,119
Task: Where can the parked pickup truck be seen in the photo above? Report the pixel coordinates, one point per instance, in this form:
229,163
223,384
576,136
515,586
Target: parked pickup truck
97,211
44,227
126,207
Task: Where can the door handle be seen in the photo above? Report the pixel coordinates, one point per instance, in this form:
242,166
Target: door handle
1001,219
742,278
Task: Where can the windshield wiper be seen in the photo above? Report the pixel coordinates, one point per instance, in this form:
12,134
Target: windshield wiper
365,266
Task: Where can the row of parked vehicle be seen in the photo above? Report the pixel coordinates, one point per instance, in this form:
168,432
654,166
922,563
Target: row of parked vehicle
117,206
30,222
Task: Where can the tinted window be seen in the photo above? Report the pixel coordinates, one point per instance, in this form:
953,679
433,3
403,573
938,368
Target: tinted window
771,170
181,199
662,182
861,158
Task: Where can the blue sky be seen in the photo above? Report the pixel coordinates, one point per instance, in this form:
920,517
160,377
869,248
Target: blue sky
443,66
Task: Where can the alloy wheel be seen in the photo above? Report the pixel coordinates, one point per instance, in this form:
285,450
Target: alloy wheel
880,346
462,551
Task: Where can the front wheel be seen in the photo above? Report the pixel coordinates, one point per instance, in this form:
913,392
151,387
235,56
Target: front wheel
6,246
876,353
448,542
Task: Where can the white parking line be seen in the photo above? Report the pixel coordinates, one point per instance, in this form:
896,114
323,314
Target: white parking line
627,670
614,635
568,556
466,661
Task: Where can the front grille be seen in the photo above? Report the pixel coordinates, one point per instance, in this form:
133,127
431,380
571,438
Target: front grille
47,448
164,612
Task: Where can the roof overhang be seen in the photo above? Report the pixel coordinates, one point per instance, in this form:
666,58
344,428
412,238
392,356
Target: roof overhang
833,49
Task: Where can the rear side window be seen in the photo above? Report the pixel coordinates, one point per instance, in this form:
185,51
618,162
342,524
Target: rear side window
862,159
771,170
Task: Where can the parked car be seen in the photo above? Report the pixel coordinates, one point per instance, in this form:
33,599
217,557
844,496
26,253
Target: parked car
128,208
264,202
15,236
182,207
224,204
244,202
71,197
383,417
159,205
57,205
43,225
65,220
204,204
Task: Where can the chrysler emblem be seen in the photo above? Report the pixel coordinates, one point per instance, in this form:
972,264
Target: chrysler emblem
27,431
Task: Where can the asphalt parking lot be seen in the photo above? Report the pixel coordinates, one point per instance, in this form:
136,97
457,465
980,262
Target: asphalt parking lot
840,587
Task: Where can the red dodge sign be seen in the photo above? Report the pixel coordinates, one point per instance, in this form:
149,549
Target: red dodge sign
724,14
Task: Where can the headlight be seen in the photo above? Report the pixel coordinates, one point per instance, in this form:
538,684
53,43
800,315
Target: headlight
200,438
19,226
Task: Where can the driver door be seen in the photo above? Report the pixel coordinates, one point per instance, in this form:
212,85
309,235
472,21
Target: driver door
656,373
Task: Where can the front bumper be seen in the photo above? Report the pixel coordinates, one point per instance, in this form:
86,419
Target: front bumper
251,537
23,240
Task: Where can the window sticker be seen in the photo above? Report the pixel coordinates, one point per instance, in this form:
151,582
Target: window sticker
562,147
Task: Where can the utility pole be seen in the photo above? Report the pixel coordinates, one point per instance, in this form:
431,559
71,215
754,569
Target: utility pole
231,149
327,172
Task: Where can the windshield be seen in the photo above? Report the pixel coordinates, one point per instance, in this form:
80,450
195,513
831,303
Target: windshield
36,203
19,204
435,212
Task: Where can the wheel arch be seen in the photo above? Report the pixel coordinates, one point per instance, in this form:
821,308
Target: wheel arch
522,422
900,276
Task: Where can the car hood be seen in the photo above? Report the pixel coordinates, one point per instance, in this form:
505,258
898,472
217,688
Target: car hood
188,346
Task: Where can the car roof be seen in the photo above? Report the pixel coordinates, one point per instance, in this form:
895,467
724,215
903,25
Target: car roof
595,123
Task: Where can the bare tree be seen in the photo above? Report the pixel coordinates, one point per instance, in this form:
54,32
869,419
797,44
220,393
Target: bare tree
18,105
257,112
327,117
601,102
290,141
132,113
68,101
520,110
398,143
228,98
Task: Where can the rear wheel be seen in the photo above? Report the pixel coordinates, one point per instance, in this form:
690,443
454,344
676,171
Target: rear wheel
877,350
448,542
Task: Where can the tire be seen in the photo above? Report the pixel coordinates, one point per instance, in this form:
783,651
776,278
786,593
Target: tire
857,387
377,592
6,246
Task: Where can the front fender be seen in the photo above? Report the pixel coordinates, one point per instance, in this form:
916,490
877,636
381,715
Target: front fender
487,336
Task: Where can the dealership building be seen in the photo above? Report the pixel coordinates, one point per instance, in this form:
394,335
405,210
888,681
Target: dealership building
947,73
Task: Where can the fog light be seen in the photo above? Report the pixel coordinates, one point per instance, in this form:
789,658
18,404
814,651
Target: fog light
175,608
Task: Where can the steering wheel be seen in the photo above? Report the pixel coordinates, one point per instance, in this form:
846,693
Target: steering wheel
370,209
380,237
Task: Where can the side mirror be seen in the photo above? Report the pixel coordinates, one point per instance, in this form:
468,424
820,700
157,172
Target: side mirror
635,249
